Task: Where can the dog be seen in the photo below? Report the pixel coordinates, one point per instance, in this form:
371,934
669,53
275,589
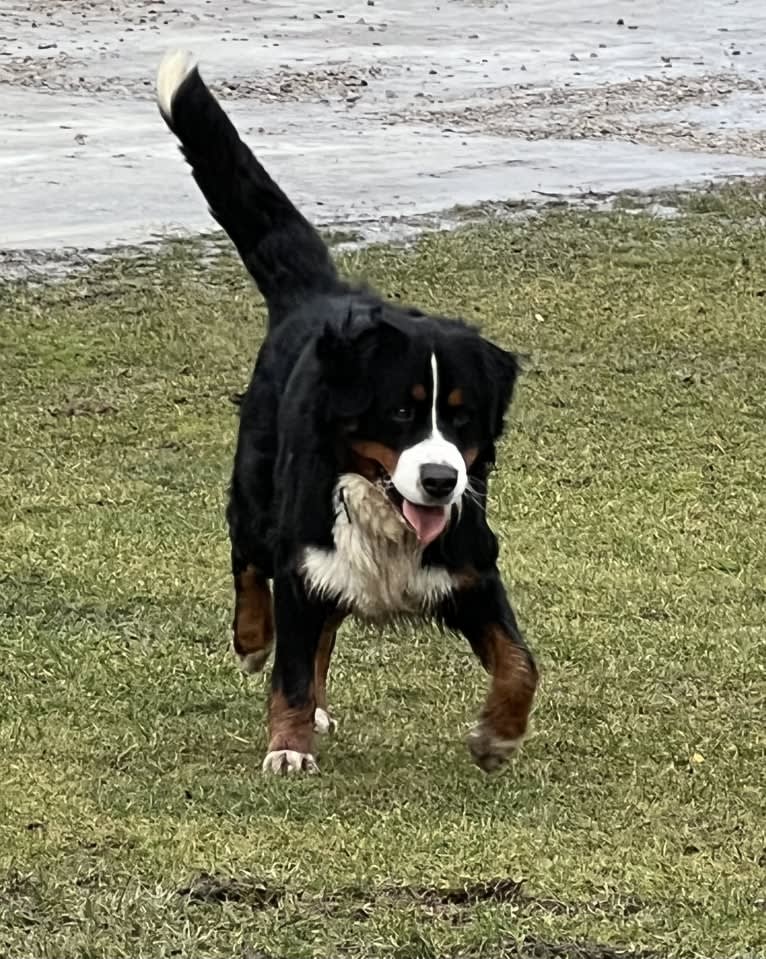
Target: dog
366,438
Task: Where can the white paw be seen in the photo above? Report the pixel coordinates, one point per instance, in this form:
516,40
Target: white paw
285,762
489,751
253,662
323,722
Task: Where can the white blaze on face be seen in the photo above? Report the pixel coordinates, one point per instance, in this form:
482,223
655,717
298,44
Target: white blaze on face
427,516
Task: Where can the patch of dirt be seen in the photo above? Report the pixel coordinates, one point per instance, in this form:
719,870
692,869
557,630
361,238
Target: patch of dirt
84,408
137,11
61,72
531,948
57,51
20,899
339,82
494,890
622,111
451,901
207,888
511,891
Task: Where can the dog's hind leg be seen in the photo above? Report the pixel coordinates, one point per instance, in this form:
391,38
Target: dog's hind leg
253,625
249,518
251,565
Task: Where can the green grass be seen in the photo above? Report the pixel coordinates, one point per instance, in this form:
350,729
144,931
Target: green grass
630,500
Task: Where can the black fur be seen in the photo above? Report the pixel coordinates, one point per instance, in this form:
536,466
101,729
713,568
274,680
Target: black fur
335,363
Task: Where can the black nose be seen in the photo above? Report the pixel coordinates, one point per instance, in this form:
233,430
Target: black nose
438,480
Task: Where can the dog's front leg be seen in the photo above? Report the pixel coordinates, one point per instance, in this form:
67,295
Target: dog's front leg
483,614
299,622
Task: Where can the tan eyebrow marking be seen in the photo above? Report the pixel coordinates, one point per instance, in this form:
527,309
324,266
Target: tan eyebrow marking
381,454
470,455
419,392
455,398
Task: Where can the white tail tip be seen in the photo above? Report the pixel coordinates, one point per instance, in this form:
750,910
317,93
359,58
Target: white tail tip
175,67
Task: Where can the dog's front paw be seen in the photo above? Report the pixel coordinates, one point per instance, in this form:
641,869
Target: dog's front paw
323,722
488,750
286,762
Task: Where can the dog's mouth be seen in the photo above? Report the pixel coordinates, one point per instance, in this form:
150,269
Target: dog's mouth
426,522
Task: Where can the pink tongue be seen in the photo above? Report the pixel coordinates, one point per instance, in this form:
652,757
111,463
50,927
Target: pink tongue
427,521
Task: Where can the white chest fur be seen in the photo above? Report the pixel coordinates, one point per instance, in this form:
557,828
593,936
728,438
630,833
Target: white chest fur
375,569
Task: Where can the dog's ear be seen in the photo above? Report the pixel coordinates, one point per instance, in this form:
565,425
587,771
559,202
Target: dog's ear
346,353
340,344
501,369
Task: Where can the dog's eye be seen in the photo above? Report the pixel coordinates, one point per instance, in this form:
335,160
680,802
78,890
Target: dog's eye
461,417
405,414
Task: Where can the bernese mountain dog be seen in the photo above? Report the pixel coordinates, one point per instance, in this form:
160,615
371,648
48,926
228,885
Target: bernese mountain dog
366,438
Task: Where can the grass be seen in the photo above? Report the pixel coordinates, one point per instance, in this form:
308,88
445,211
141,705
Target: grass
134,820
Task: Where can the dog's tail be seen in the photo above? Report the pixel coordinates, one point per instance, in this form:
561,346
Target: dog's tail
284,253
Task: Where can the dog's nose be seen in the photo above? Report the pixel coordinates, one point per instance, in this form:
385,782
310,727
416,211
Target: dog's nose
437,479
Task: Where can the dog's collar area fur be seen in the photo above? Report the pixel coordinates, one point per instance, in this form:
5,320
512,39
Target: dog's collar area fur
376,568
370,505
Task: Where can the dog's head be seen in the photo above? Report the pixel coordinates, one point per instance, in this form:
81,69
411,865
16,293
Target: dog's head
416,402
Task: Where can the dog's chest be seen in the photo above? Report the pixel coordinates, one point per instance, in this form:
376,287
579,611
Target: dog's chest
376,567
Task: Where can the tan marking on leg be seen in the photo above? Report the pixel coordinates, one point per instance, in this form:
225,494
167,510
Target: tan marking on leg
465,578
322,659
512,688
504,717
291,728
323,722
253,619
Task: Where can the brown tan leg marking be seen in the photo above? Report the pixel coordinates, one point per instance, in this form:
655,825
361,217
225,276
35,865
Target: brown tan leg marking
253,619
291,736
324,723
504,717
